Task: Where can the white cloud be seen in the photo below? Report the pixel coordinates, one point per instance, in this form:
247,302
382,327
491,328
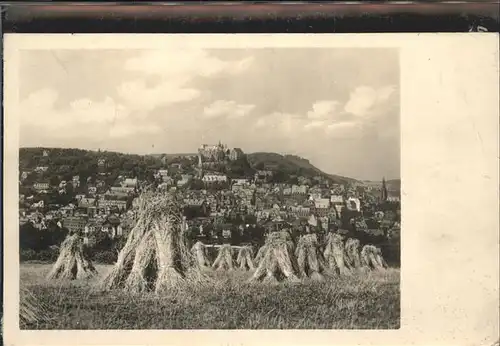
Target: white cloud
83,117
125,129
323,110
229,109
39,109
136,95
44,98
343,129
322,114
176,68
181,62
284,123
325,116
363,100
261,122
314,124
386,92
88,112
240,65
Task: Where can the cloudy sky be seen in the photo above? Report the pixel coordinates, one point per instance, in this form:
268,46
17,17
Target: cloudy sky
337,107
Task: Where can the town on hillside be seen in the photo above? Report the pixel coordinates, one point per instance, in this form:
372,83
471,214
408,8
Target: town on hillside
228,197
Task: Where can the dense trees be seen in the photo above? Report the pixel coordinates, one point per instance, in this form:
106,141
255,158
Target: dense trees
290,166
43,245
240,168
63,164
34,239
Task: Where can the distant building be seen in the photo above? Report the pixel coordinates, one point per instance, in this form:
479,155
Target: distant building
121,190
300,211
314,196
112,226
92,226
336,199
41,186
41,169
86,202
185,178
238,187
337,189
24,175
39,224
75,224
322,203
240,181
325,222
130,183
101,163
226,234
76,181
299,189
112,203
212,178
212,152
235,154
393,198
163,174
39,204
313,220
353,204
338,208
263,175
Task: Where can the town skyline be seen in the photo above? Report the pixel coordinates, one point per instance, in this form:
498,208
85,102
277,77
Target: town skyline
340,111
171,154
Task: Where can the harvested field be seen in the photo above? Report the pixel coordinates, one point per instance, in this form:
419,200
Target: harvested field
360,301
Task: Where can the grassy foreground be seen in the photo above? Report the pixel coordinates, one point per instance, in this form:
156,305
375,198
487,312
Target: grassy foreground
363,301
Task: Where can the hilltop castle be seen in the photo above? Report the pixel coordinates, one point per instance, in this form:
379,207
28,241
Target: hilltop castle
218,153
211,156
213,153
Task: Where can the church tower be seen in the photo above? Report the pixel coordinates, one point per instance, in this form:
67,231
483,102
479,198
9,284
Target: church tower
200,166
384,190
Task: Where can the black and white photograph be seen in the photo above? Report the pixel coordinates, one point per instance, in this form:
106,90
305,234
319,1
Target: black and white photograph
177,183
209,188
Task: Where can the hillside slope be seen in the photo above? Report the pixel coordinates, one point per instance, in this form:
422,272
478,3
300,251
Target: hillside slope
64,163
393,184
293,165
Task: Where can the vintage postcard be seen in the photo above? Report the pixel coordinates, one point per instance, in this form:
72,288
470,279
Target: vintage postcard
250,189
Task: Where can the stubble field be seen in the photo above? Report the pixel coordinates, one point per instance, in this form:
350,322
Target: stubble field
361,301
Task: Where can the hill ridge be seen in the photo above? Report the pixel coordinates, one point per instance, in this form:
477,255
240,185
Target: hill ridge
262,160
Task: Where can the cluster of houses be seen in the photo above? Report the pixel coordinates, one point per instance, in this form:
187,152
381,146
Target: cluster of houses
97,208
268,203
241,203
